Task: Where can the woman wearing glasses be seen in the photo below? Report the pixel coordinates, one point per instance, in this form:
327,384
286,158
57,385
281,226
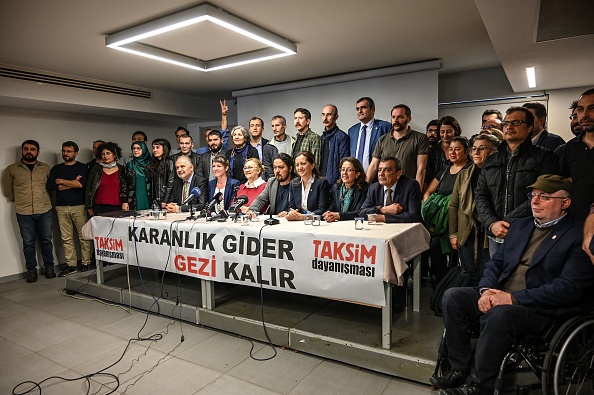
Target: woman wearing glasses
349,192
466,233
252,169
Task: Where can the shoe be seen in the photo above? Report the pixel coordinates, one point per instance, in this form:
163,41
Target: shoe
472,388
67,270
32,276
452,380
86,267
397,308
49,272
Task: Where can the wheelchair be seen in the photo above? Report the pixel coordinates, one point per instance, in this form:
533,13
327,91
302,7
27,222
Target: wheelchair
562,359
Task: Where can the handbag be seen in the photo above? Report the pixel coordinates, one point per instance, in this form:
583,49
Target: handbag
456,277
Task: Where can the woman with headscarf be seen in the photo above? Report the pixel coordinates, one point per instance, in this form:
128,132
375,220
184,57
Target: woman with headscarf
138,177
243,151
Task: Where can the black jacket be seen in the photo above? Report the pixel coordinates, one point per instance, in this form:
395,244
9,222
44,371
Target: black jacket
162,183
501,192
95,179
352,212
237,171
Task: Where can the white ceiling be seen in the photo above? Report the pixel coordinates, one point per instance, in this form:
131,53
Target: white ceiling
332,37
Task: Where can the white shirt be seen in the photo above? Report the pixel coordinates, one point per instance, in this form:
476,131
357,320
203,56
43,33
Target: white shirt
366,153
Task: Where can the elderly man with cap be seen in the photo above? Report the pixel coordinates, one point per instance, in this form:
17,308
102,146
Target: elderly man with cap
539,274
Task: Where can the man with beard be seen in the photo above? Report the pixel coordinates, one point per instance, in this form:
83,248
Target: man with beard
68,180
578,158
432,132
214,140
277,191
24,183
96,156
409,146
280,143
541,136
575,128
335,145
306,139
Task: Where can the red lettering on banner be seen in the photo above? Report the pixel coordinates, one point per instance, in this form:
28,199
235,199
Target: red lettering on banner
347,252
190,265
108,243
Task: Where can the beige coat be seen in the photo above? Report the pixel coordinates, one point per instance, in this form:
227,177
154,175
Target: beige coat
27,188
462,207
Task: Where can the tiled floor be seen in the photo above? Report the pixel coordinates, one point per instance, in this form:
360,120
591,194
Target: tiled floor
44,333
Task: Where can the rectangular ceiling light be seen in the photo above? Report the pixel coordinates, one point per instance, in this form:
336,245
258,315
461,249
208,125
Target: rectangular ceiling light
128,40
531,75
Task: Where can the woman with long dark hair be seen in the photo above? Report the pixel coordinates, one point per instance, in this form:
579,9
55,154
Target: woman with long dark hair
107,186
349,192
162,172
309,191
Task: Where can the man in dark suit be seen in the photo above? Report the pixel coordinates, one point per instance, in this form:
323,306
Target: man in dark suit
214,139
364,135
256,130
540,273
183,184
396,197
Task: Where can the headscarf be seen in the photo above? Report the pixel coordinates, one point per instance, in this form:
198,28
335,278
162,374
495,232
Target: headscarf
138,165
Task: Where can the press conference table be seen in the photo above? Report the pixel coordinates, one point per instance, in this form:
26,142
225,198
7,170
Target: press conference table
400,243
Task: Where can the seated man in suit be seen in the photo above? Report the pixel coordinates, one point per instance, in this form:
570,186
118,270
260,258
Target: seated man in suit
183,184
395,198
540,273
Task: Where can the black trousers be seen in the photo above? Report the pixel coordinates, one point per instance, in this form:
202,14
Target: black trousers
500,327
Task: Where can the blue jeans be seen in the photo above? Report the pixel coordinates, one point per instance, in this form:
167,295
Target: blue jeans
34,226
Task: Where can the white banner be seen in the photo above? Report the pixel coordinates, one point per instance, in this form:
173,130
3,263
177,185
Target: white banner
313,263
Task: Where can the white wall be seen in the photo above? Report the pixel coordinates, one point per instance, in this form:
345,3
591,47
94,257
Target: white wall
418,90
492,84
51,130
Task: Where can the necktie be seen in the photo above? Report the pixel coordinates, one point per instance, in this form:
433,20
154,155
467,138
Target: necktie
388,197
185,191
362,139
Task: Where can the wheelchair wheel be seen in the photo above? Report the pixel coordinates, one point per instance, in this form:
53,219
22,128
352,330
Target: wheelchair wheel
568,366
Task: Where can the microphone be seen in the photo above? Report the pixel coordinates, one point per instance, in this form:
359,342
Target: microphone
220,216
194,193
215,199
240,201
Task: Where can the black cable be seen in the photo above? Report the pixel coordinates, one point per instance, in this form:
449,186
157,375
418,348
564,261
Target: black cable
262,307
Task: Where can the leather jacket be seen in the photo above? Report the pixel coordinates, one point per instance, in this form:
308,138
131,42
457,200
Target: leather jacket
95,179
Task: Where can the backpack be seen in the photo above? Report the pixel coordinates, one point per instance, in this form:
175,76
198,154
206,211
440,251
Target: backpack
456,277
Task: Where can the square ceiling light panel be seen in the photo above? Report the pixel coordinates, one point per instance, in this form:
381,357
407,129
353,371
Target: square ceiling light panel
129,40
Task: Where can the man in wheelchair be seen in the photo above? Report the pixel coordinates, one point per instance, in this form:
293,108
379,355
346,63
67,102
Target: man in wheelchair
539,274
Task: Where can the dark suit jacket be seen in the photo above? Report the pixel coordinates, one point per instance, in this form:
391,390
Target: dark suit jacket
229,190
379,129
206,164
407,194
237,171
317,199
560,277
352,212
549,140
178,187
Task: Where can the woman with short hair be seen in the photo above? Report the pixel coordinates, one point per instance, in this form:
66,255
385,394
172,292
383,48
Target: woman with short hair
242,151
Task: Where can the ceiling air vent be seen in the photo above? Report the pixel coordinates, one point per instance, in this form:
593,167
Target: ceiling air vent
44,77
564,19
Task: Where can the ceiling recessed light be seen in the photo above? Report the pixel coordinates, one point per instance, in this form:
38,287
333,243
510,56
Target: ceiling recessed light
128,40
531,75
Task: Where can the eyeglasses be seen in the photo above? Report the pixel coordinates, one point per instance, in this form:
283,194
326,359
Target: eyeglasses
515,122
543,198
573,116
248,168
479,149
136,148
